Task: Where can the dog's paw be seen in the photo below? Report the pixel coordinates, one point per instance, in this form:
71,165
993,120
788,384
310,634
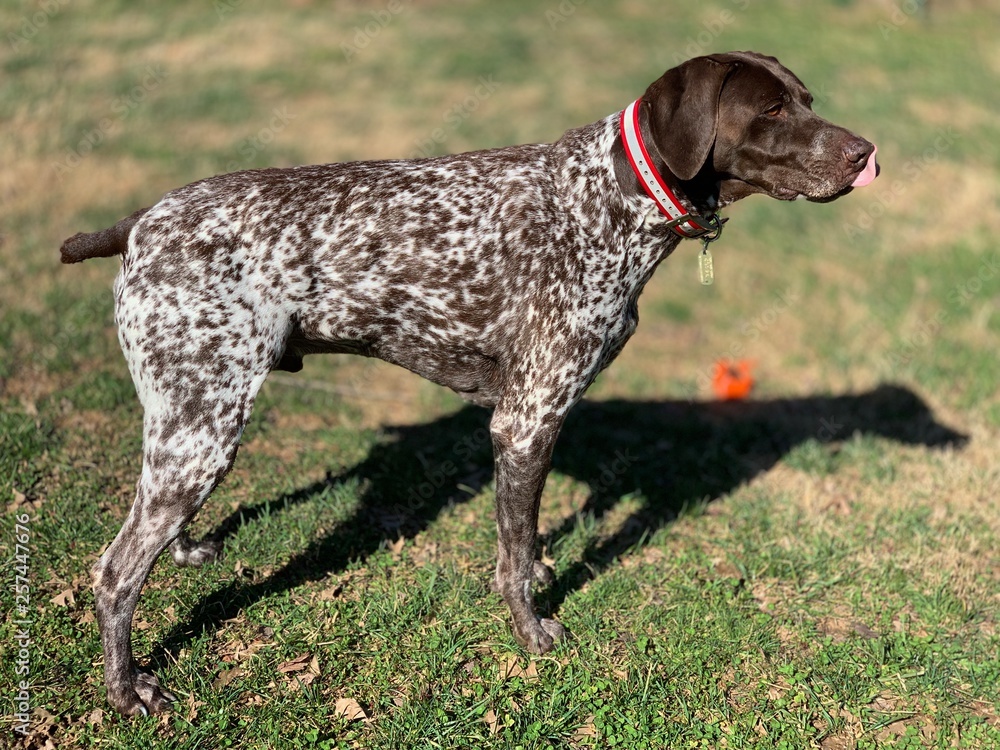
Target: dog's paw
188,553
543,637
554,628
143,697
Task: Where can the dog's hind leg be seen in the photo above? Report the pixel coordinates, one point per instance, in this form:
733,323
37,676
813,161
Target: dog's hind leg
197,387
184,459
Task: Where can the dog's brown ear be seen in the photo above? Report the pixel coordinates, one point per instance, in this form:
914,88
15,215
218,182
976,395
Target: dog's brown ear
684,109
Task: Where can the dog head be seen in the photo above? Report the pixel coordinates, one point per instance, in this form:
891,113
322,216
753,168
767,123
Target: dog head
742,123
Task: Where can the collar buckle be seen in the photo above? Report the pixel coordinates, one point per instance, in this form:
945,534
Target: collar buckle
706,228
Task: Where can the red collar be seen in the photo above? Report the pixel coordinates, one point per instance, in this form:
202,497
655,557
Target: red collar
683,223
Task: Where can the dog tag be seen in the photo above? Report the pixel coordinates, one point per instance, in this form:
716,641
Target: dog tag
705,268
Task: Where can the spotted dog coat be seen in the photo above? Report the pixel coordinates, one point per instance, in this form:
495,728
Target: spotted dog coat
511,276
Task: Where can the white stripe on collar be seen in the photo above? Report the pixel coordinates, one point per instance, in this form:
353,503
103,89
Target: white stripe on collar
683,223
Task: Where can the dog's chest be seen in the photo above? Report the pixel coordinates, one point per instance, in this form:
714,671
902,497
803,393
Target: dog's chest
619,334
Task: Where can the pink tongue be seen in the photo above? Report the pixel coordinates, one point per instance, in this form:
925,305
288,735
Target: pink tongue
868,173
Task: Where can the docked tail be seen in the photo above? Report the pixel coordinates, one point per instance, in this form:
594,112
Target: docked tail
103,244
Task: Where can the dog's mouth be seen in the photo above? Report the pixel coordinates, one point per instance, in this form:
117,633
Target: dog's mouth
785,194
819,192
863,175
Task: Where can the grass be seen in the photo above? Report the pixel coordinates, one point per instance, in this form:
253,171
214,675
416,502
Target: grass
815,567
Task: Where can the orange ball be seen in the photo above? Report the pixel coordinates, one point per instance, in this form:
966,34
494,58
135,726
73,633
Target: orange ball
732,380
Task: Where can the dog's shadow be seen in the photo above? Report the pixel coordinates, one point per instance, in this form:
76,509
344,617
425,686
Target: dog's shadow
671,454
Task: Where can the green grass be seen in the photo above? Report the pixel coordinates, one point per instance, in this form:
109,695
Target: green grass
815,567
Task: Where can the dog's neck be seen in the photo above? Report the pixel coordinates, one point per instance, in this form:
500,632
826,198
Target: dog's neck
640,148
706,193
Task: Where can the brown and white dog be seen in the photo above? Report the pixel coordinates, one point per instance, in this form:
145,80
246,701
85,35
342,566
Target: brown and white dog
511,276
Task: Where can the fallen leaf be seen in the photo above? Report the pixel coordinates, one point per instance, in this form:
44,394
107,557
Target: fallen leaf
507,667
511,667
350,709
297,664
490,717
95,717
253,699
45,718
397,546
225,677
64,598
192,706
299,681
587,730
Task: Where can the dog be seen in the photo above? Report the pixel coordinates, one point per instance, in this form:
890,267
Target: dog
510,276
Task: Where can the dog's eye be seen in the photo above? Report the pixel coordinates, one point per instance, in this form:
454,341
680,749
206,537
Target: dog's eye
774,110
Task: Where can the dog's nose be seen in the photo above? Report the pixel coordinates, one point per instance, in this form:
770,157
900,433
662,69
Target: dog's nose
857,149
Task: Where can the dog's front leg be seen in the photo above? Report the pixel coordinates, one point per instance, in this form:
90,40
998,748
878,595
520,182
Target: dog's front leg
523,440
